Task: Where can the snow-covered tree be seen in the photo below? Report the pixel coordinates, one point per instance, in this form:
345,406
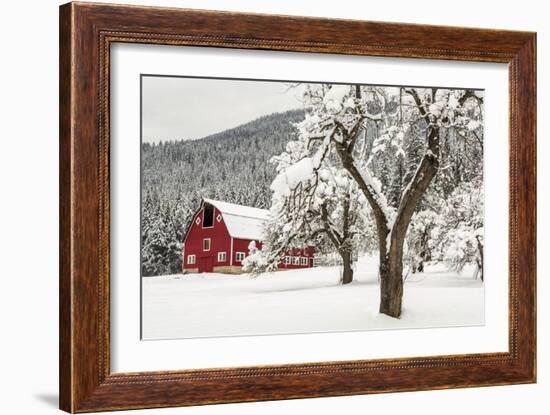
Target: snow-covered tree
339,216
339,120
314,202
419,241
460,228
255,258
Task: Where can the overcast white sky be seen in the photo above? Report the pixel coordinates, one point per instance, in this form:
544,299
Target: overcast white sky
188,108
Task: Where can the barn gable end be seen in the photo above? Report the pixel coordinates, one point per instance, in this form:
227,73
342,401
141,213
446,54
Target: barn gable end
206,248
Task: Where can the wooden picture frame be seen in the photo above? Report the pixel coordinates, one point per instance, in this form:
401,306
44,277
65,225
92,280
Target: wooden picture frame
86,33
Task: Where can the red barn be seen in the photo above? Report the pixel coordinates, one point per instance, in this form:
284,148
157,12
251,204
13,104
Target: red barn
217,239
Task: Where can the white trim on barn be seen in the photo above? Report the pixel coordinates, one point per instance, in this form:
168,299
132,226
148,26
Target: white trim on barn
183,257
231,257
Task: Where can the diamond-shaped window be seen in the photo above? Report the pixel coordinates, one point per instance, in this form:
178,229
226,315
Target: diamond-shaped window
198,221
219,218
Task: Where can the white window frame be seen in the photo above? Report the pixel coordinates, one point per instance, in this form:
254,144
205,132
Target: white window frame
295,260
222,256
209,244
303,260
287,260
191,259
239,256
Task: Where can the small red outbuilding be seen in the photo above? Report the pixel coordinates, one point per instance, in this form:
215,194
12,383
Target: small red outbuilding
218,237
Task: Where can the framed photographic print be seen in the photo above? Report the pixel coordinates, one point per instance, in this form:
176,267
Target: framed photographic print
254,208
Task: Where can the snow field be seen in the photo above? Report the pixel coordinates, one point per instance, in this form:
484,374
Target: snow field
302,301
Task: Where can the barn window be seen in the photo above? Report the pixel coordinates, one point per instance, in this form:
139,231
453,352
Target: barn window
222,256
303,260
296,260
219,217
239,256
287,260
206,244
208,216
191,259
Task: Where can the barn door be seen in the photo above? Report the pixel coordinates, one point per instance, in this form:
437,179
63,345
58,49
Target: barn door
206,264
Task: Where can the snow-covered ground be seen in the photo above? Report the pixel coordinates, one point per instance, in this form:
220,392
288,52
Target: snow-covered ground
302,301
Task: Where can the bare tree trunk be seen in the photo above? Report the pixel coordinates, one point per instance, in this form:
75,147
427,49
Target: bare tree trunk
391,269
347,260
480,263
420,267
341,241
391,287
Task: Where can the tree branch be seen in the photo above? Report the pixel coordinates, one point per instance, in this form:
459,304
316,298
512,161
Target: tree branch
427,169
381,218
335,238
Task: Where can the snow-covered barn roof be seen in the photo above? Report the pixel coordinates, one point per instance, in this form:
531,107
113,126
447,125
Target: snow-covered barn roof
242,222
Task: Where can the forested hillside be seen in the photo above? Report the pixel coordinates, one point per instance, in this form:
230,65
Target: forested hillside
232,166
